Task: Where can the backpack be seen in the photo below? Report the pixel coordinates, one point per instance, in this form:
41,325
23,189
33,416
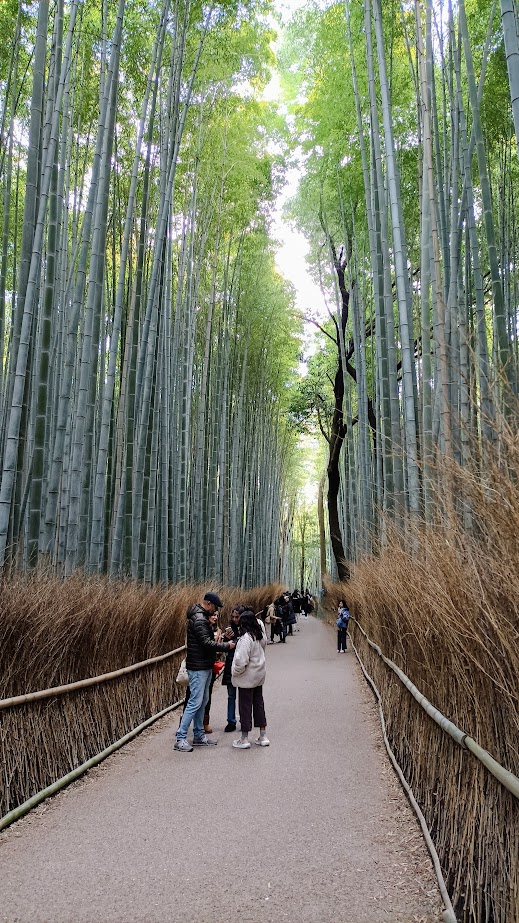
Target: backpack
342,621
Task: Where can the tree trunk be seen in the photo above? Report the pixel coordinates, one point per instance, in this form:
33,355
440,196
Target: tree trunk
338,429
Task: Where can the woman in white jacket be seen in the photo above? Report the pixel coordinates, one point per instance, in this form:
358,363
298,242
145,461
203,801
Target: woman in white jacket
248,675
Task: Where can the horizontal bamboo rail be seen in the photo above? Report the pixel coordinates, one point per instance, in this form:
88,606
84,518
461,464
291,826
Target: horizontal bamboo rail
84,683
45,793
448,915
504,776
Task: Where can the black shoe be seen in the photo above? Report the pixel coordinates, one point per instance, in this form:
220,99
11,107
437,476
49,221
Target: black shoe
230,727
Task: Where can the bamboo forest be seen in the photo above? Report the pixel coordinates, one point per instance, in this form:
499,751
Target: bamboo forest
259,326
151,401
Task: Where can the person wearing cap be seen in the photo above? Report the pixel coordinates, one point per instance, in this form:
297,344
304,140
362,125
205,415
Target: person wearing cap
201,648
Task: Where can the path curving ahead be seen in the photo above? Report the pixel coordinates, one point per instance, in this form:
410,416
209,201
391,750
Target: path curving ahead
313,829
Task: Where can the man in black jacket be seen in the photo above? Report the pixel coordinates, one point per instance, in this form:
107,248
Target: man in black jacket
201,648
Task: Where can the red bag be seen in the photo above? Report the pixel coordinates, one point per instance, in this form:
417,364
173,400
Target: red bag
218,666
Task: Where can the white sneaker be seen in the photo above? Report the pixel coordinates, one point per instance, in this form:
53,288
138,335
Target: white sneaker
241,744
262,742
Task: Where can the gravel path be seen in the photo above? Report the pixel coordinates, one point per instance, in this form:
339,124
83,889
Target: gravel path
313,829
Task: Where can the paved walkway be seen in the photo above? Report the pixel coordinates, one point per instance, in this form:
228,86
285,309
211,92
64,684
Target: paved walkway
313,829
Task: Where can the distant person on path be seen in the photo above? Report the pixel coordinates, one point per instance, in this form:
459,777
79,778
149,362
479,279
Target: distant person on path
274,620
297,601
280,623
342,627
227,678
201,648
248,675
288,615
270,619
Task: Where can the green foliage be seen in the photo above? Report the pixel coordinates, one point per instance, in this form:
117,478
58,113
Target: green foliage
8,19
238,52
267,321
317,83
313,401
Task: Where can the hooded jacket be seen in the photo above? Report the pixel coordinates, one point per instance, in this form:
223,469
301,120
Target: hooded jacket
201,646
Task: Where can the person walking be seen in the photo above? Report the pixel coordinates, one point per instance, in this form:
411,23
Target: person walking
201,648
342,627
232,633
248,675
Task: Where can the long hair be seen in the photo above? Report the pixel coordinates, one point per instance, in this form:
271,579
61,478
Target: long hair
248,624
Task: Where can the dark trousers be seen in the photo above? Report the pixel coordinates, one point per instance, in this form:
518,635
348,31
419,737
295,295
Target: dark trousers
251,703
279,630
341,639
208,706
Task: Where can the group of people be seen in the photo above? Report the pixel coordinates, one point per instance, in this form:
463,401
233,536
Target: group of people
243,642
282,614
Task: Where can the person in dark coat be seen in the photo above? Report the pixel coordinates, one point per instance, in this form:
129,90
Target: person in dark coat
308,604
288,615
201,648
281,627
297,602
232,634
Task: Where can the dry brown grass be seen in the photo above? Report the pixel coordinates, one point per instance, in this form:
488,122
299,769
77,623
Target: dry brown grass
54,632
445,607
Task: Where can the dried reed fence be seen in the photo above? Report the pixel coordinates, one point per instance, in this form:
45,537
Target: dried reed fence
445,609
55,632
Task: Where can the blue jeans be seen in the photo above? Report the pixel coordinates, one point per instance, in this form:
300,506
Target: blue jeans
199,683
231,704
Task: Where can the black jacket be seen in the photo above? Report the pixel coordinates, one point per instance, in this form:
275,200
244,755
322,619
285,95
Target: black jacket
288,615
201,646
